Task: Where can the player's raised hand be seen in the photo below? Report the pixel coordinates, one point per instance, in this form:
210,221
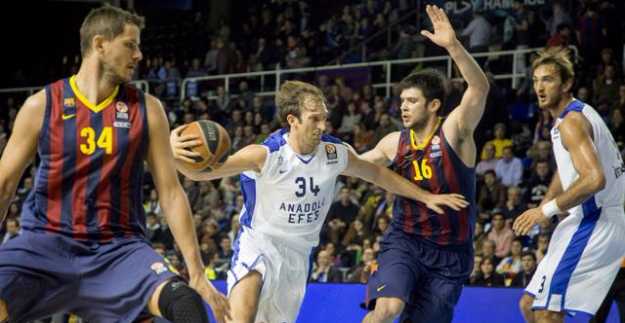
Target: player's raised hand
524,223
444,34
436,202
179,145
217,301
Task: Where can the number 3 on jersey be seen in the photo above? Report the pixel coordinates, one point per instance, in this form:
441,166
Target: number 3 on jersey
423,171
104,140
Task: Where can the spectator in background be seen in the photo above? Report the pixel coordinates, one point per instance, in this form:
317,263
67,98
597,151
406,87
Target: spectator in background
511,265
13,229
500,141
514,205
617,126
509,168
562,38
492,193
488,250
542,243
478,31
360,274
501,234
528,264
487,276
538,184
341,215
324,271
488,161
606,85
560,17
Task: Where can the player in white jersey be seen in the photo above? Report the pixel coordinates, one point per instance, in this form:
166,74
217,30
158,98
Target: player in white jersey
587,246
288,184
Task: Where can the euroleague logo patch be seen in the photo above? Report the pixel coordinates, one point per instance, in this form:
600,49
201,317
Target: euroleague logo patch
331,153
121,107
158,268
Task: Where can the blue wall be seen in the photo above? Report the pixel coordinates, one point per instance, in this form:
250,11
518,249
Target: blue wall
327,303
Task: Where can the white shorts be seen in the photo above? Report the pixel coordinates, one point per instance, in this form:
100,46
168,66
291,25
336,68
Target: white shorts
582,260
284,271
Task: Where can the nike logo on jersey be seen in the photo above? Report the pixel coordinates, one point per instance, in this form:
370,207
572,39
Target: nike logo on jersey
282,171
379,289
68,116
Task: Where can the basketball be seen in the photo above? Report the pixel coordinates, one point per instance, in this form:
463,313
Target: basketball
214,148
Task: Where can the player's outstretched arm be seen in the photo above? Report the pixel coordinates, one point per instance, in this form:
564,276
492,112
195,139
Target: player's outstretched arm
396,184
467,115
21,148
175,205
575,133
384,152
248,158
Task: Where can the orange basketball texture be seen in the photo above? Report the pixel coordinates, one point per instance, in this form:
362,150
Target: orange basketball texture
215,146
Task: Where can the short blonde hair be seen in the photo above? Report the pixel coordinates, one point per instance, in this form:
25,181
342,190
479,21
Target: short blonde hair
558,57
290,99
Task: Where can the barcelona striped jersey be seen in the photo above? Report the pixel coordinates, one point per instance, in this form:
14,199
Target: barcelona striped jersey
89,181
435,167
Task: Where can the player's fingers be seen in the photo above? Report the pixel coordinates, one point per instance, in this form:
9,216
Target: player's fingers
436,209
427,34
188,144
179,129
188,137
184,158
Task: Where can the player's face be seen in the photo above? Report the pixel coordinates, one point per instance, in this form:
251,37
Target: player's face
312,122
548,86
122,54
415,111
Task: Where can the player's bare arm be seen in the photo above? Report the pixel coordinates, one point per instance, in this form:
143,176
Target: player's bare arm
576,136
462,121
176,207
384,152
21,148
396,184
248,158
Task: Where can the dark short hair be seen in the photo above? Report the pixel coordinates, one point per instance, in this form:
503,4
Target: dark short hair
528,253
107,21
431,82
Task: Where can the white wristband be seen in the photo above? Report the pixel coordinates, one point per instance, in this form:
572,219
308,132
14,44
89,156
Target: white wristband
550,209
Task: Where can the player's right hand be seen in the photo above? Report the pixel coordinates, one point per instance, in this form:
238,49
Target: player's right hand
217,301
436,202
180,144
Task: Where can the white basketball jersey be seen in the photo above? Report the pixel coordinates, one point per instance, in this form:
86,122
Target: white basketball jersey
292,194
613,194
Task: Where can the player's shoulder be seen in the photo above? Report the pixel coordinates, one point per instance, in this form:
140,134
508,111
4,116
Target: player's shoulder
275,140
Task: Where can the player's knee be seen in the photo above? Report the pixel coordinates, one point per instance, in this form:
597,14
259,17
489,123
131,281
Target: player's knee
389,308
4,312
525,303
179,303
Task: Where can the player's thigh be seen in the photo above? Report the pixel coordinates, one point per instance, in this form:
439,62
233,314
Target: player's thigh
4,313
434,302
244,297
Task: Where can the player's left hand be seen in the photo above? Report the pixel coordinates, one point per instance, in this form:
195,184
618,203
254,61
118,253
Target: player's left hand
218,302
444,34
524,223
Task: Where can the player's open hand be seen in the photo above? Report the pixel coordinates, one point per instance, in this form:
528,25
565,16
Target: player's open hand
444,34
436,202
217,301
524,223
180,144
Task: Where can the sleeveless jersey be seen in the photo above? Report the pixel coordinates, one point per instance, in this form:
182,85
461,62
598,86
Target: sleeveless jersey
89,181
290,197
613,194
435,167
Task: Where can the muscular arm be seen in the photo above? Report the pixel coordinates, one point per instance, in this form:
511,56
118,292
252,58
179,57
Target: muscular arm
172,197
250,157
384,152
555,188
396,184
576,135
21,148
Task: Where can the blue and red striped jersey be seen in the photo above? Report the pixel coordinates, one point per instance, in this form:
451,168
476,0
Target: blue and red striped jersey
89,181
435,167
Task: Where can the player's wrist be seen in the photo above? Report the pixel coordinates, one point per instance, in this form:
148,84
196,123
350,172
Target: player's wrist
550,209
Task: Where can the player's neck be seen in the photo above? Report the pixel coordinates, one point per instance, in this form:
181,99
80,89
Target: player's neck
559,108
92,82
298,146
424,132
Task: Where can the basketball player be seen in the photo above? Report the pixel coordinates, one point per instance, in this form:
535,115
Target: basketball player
83,248
288,185
425,257
586,247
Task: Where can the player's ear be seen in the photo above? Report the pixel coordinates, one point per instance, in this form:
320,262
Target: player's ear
434,105
97,43
291,119
568,85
